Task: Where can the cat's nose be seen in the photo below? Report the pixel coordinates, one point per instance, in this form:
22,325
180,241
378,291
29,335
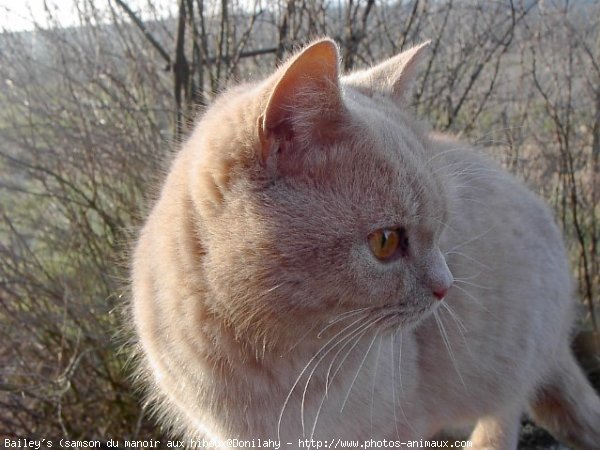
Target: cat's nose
440,293
437,276
441,285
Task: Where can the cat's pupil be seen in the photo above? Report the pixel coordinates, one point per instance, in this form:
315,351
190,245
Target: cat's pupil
403,241
385,237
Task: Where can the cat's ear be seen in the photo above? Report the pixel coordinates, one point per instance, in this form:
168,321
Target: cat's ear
393,77
304,98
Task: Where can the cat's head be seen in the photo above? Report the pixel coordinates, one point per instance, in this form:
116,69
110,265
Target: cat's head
315,198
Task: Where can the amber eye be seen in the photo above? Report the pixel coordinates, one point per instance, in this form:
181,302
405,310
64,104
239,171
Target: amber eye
389,242
385,243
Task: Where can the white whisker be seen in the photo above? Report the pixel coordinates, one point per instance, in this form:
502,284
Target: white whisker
405,417
479,236
470,277
339,318
342,340
442,153
446,340
459,325
468,257
375,379
393,346
462,280
468,294
474,200
446,225
287,399
400,362
358,371
447,307
302,338
361,332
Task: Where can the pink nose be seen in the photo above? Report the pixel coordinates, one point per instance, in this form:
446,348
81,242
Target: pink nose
440,293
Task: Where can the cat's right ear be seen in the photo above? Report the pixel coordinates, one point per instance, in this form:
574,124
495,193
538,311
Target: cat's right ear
304,101
393,78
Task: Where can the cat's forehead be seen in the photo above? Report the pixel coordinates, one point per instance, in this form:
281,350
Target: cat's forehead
384,134
382,188
391,154
388,124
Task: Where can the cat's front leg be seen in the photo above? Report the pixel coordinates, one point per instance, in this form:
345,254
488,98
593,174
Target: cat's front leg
497,432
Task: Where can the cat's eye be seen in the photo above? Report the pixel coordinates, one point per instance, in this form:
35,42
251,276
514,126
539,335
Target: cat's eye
387,243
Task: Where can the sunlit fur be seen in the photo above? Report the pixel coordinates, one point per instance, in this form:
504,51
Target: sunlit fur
262,312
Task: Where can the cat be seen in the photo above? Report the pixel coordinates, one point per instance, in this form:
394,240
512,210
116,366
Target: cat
319,265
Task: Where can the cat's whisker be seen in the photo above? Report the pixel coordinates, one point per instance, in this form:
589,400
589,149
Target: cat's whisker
342,340
393,366
464,169
467,187
302,338
448,346
362,362
446,225
361,333
473,200
339,318
468,257
474,238
472,297
454,265
472,169
375,380
347,313
395,398
460,325
399,365
470,277
314,357
462,188
442,153
478,174
454,315
400,362
468,169
463,166
479,286
475,176
273,288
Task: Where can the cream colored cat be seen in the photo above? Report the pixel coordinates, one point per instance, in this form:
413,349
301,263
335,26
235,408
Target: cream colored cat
319,265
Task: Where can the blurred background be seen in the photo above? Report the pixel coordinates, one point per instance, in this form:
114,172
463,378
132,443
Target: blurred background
96,94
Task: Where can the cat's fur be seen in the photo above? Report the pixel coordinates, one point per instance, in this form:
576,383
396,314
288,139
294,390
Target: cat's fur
262,313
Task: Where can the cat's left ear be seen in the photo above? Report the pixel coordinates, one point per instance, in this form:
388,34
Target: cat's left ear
393,77
305,100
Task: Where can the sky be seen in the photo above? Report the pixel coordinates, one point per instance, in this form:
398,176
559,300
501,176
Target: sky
19,15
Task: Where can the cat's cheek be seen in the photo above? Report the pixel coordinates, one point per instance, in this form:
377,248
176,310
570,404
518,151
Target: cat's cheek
377,283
